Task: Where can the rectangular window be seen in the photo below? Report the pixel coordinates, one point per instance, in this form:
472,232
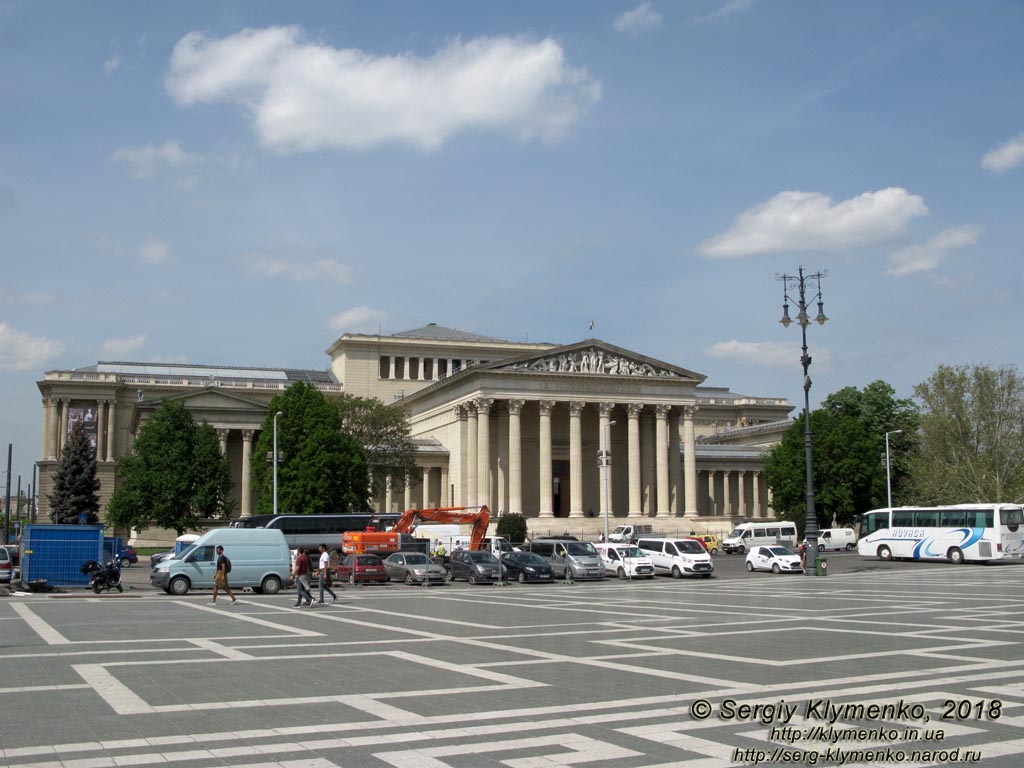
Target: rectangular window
759,532
456,365
428,368
926,518
442,368
385,367
952,518
903,519
773,531
399,367
414,368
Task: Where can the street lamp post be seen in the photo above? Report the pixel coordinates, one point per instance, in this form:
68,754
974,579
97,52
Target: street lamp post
888,466
275,459
803,284
606,463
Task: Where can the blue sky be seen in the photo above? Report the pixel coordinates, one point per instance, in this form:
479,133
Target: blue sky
241,183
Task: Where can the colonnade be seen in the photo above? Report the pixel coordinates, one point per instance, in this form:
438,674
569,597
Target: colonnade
56,423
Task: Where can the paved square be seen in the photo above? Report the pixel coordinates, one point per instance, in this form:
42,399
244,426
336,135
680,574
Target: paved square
928,662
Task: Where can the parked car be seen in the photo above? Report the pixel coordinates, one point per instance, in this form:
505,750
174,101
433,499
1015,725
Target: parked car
774,559
625,561
710,542
526,566
6,566
365,569
127,556
159,557
473,566
679,557
413,567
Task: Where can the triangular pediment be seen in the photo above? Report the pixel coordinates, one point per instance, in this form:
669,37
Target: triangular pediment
593,357
212,398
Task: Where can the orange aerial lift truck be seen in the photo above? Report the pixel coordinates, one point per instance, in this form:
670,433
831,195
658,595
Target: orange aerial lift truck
384,543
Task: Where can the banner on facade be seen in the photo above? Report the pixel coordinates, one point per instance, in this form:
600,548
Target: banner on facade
84,411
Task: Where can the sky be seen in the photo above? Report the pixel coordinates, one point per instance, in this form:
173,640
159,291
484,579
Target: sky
240,183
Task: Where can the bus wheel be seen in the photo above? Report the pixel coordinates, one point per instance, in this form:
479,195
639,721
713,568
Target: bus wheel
884,553
956,556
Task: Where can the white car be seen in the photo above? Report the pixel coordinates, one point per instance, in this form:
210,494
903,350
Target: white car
774,559
625,561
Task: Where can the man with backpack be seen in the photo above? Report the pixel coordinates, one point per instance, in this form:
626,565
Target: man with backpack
220,578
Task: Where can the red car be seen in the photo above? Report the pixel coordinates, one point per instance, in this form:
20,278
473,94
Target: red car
362,569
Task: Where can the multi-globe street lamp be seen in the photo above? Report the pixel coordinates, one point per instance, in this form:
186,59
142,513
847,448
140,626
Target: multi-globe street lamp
805,284
275,459
888,466
605,462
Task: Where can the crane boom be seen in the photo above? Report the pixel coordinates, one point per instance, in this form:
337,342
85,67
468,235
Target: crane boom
366,541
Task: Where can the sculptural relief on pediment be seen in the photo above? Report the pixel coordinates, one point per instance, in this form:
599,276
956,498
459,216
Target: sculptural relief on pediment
592,360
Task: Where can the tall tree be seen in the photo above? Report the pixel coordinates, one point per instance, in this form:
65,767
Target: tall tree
848,437
972,436
175,476
383,432
320,468
75,483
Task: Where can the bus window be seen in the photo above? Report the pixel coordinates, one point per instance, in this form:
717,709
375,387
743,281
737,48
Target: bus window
875,521
926,518
902,518
978,518
1011,517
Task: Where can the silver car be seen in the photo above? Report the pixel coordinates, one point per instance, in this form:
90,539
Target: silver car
413,568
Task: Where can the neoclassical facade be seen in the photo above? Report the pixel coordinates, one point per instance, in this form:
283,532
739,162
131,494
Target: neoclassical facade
559,433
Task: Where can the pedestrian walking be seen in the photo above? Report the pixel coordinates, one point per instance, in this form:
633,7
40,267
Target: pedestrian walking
301,574
325,574
220,577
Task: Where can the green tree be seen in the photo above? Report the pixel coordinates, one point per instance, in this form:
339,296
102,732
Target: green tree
972,436
75,483
512,527
848,435
320,468
383,432
175,476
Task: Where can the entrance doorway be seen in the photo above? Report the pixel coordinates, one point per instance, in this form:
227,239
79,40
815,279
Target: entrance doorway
560,488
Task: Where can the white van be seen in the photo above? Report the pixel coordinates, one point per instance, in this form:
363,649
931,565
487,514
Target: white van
627,561
259,559
766,533
680,556
836,538
570,559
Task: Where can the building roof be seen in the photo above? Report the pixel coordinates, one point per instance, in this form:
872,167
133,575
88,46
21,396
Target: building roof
439,332
218,372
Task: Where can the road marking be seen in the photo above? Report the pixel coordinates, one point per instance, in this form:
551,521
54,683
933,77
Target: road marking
119,696
49,635
251,619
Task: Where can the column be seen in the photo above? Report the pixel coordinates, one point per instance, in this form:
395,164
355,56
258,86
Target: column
545,458
111,410
407,499
741,477
770,511
689,462
711,493
246,461
647,468
100,445
63,434
388,497
661,450
49,430
223,435
604,411
726,500
633,449
515,457
425,504
472,446
445,490
483,451
575,459
500,484
675,478
756,511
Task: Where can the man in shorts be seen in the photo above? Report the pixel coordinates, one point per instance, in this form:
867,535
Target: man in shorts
220,578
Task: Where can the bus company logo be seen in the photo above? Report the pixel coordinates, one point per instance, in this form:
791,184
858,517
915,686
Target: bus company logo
907,533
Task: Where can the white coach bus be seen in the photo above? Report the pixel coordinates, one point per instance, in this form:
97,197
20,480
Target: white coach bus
958,533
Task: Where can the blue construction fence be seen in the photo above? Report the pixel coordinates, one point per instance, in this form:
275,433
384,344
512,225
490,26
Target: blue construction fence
56,553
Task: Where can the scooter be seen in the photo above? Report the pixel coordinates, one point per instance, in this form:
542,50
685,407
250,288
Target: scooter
103,577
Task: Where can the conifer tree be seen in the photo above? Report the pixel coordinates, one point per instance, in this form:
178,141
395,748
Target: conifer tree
75,484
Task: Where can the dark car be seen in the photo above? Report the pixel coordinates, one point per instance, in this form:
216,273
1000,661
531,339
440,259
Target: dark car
159,557
473,565
526,566
413,567
127,556
362,569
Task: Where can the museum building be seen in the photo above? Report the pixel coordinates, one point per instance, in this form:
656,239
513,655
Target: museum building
523,427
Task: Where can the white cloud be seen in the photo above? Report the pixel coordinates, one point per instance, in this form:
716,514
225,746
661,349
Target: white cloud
637,21
924,257
1008,156
154,251
304,95
810,221
728,9
123,348
20,351
358,319
773,354
112,63
146,162
297,266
